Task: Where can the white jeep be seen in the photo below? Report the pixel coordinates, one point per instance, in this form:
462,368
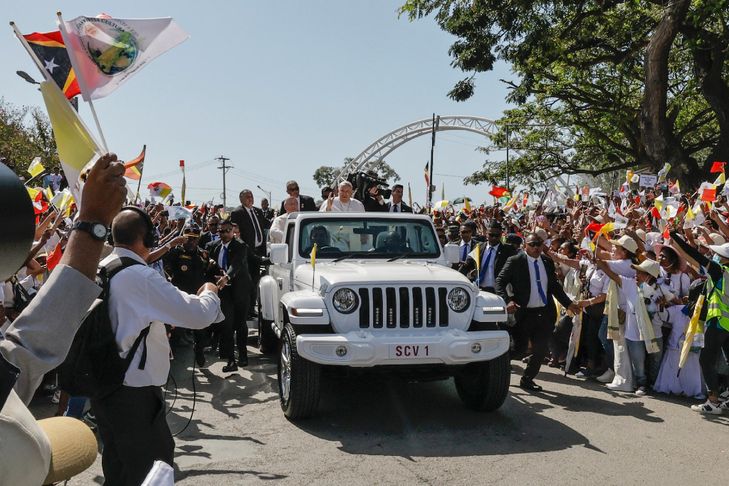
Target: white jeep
380,293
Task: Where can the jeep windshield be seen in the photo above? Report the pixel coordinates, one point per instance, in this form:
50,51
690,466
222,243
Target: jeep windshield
363,237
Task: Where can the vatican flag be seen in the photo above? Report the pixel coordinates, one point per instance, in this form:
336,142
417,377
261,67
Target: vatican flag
76,147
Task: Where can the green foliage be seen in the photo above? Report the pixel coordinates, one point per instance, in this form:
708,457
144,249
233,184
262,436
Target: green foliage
580,88
25,133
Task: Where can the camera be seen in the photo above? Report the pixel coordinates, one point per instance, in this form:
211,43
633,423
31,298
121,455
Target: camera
362,182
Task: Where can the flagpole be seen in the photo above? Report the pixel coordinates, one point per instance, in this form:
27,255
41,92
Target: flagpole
139,182
80,77
36,61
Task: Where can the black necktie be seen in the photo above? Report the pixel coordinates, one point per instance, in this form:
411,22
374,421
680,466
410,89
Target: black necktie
397,208
255,226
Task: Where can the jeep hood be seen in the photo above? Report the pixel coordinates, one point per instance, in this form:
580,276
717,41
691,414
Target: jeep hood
378,273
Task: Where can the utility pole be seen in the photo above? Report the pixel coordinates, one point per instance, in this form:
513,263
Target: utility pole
224,168
436,123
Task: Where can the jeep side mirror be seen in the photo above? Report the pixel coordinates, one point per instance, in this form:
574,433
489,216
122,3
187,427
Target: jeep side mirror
452,253
279,253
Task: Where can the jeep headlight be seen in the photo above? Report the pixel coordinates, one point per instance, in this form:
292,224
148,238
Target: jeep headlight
458,299
345,300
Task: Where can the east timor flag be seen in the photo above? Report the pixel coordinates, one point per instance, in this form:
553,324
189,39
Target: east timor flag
51,51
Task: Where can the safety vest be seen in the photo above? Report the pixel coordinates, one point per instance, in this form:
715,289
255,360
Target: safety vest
718,300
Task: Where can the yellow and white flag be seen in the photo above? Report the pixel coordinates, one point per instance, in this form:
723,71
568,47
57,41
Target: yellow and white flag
76,147
35,168
313,256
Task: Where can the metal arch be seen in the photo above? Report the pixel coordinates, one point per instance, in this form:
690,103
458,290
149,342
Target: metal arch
384,145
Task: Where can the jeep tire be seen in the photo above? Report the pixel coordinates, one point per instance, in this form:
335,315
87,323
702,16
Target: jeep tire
299,380
267,340
484,385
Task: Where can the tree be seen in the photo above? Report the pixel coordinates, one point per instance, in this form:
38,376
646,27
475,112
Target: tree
327,176
602,85
25,133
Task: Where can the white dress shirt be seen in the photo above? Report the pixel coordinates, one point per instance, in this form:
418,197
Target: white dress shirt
140,297
535,300
396,207
351,206
489,279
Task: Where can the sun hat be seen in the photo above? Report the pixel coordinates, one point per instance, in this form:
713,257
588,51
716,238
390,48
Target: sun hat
721,250
73,447
717,238
649,266
626,242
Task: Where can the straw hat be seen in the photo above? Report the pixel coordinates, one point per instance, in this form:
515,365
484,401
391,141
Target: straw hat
626,242
649,266
73,447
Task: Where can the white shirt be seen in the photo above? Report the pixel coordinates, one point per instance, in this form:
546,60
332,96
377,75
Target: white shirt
489,279
598,279
220,255
55,180
535,300
257,230
396,205
140,296
352,206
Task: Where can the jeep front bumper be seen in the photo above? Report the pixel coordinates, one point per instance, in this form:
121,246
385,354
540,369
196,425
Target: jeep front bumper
367,348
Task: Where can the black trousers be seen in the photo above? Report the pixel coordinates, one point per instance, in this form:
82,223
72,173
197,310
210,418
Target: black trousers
591,319
134,430
234,331
715,339
535,325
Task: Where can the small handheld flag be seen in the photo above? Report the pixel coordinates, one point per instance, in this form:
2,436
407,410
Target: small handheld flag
35,168
717,167
313,264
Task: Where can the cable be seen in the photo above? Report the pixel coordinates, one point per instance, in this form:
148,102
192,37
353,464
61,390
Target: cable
174,400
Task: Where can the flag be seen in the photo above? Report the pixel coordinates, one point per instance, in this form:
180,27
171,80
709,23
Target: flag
76,147
178,212
628,176
51,52
48,193
410,196
476,255
134,168
721,179
35,168
498,191
693,328
708,194
159,189
313,256
674,188
54,257
105,52
426,173
717,167
184,183
663,173
32,192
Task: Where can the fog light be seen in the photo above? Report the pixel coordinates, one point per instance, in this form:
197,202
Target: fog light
341,351
476,348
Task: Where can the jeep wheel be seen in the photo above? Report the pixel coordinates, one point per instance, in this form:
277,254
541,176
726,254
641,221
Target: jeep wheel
298,379
266,337
484,385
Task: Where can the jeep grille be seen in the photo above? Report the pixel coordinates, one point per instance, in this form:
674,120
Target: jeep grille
403,307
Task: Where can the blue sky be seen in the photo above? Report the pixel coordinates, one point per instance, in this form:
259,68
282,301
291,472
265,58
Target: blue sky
279,87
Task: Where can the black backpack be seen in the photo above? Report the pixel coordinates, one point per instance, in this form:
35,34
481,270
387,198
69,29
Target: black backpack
93,366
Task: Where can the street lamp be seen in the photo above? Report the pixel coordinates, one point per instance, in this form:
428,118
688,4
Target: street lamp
268,193
26,77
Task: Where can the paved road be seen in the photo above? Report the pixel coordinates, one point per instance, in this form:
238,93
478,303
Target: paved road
374,431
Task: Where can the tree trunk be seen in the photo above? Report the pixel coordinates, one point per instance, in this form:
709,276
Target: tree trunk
657,132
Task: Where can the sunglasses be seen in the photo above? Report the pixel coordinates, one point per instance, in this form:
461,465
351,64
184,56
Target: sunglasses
225,230
535,244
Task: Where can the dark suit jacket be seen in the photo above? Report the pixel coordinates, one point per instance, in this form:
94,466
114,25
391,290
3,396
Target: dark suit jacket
240,217
503,253
516,273
205,238
240,258
404,208
307,204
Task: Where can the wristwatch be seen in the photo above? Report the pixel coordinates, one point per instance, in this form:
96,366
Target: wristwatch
98,231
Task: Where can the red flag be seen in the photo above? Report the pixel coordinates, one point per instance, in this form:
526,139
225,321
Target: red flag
656,214
54,257
498,191
717,167
593,227
666,233
709,194
426,173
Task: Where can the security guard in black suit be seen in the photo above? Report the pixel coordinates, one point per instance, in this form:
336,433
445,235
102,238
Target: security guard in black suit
187,267
493,254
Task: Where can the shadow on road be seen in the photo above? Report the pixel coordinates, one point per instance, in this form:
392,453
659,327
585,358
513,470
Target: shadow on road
393,417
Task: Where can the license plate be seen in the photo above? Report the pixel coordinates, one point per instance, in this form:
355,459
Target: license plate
410,351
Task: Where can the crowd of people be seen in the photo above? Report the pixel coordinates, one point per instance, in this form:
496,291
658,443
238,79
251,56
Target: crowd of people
626,289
